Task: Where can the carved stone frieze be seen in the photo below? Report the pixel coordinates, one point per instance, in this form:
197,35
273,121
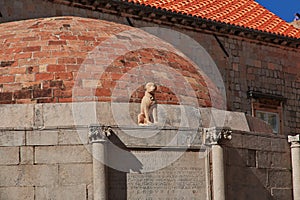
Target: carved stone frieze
99,133
214,134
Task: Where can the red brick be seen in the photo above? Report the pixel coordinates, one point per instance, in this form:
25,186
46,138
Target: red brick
13,50
86,38
62,93
103,92
65,100
56,83
26,61
68,84
68,37
25,101
42,54
11,87
38,93
47,100
80,61
43,76
47,61
7,79
31,49
32,69
67,61
25,78
6,96
57,42
72,68
37,43
23,94
23,55
55,68
6,63
64,76
30,38
61,53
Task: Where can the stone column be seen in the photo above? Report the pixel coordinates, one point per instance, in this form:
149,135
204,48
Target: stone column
98,137
295,154
213,136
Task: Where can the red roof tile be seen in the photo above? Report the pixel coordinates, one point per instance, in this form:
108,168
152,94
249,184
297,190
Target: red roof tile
244,13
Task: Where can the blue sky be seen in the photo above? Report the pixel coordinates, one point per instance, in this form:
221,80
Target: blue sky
282,8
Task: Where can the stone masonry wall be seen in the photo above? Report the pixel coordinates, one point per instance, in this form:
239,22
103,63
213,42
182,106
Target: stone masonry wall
258,166
44,164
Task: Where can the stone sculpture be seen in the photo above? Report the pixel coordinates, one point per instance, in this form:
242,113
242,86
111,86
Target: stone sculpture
148,114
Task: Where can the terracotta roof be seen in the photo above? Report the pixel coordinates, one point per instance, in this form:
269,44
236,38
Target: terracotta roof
243,13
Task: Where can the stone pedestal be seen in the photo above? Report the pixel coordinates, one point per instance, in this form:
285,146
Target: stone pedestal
98,138
295,154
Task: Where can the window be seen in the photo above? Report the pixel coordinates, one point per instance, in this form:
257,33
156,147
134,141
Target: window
268,108
271,118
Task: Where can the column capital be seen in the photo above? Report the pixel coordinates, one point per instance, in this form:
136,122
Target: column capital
99,133
294,140
214,134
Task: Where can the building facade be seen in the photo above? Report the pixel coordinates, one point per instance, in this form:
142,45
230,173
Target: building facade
72,77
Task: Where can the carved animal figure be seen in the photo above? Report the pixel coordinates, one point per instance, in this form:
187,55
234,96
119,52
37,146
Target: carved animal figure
148,114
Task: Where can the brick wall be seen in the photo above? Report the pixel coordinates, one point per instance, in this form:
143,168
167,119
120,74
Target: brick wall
45,59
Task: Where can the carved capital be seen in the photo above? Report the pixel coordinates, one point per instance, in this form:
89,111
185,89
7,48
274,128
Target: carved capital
214,134
294,140
99,133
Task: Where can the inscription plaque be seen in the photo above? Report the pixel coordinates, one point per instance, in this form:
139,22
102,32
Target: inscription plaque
183,179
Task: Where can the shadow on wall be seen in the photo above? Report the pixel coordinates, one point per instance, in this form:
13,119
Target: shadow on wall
247,182
117,178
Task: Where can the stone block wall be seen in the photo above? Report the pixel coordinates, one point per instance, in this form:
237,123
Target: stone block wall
44,164
258,166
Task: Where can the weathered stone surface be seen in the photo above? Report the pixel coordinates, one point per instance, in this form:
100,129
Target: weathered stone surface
9,155
281,160
71,174
77,192
17,193
38,115
279,145
236,141
281,193
41,137
185,178
21,113
68,114
62,154
156,136
79,136
28,175
280,178
57,115
257,176
250,141
12,138
219,118
90,192
236,157
26,153
264,159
